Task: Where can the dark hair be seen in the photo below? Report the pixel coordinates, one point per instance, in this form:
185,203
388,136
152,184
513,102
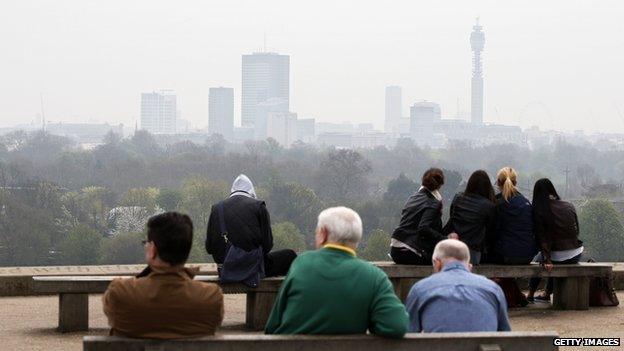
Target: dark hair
172,233
433,179
479,184
542,191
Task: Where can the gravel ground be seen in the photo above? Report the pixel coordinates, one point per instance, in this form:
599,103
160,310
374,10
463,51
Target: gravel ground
27,323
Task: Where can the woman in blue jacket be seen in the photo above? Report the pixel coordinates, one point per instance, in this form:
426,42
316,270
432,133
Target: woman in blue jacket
514,241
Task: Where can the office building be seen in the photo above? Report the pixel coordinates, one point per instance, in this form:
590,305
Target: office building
158,112
393,109
422,117
282,126
265,76
221,112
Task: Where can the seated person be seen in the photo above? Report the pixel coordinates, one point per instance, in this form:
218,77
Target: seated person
473,214
165,303
514,241
557,231
453,299
331,291
420,228
248,227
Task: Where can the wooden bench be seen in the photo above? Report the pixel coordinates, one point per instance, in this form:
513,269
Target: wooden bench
506,341
571,281
74,293
571,289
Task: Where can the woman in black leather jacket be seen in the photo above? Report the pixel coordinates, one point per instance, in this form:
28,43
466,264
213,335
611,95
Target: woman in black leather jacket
473,214
420,228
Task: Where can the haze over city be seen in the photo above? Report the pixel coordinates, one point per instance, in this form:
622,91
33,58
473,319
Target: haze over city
556,65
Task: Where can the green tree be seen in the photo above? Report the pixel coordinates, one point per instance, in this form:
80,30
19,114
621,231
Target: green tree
25,233
123,248
602,231
81,246
95,201
287,236
169,199
198,196
343,175
142,197
400,188
377,246
296,203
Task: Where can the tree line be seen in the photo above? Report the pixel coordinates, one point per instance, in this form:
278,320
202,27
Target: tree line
60,204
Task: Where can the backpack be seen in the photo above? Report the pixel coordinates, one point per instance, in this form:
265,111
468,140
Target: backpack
239,265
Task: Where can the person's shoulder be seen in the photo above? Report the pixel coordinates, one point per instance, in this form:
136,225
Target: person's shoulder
122,288
483,282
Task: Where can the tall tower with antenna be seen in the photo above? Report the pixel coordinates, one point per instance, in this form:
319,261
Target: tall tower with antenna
477,42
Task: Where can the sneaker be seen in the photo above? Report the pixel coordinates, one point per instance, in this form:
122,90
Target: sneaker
542,299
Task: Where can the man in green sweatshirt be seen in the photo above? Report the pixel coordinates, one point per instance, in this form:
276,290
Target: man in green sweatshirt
331,291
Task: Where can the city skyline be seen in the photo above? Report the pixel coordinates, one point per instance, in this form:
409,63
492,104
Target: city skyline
339,66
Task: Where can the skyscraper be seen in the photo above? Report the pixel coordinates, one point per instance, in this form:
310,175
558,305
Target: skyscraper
266,75
158,112
422,117
221,112
394,105
477,42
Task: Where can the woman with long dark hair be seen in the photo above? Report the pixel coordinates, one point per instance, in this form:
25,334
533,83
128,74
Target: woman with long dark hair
557,231
420,228
473,214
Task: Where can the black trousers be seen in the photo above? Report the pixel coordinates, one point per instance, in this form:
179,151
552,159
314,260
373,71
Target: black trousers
277,263
494,258
405,256
534,282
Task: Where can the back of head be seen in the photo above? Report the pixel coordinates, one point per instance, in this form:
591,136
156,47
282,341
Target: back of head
506,179
172,233
242,184
479,184
343,225
542,192
451,250
433,179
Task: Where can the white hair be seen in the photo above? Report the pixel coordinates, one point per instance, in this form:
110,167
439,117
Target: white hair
451,249
343,225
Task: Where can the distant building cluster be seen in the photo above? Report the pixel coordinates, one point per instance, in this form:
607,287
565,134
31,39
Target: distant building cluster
266,113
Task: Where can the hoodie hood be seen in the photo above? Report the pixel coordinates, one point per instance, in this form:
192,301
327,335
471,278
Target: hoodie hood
243,186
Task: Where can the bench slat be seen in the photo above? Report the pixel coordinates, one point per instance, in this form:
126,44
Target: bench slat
509,341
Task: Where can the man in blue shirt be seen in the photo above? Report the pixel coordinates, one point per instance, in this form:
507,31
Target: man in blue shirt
453,299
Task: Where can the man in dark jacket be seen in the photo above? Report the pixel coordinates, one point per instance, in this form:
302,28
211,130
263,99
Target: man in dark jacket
248,226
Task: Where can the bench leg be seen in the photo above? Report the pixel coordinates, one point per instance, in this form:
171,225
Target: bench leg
259,306
73,312
571,293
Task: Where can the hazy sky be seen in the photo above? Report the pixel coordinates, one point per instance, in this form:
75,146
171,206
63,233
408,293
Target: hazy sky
553,63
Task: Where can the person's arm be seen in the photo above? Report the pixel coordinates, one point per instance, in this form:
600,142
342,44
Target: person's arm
429,216
490,227
449,228
388,317
275,318
411,305
503,318
542,233
109,302
213,224
265,228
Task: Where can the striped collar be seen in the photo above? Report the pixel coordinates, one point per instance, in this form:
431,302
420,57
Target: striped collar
341,248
